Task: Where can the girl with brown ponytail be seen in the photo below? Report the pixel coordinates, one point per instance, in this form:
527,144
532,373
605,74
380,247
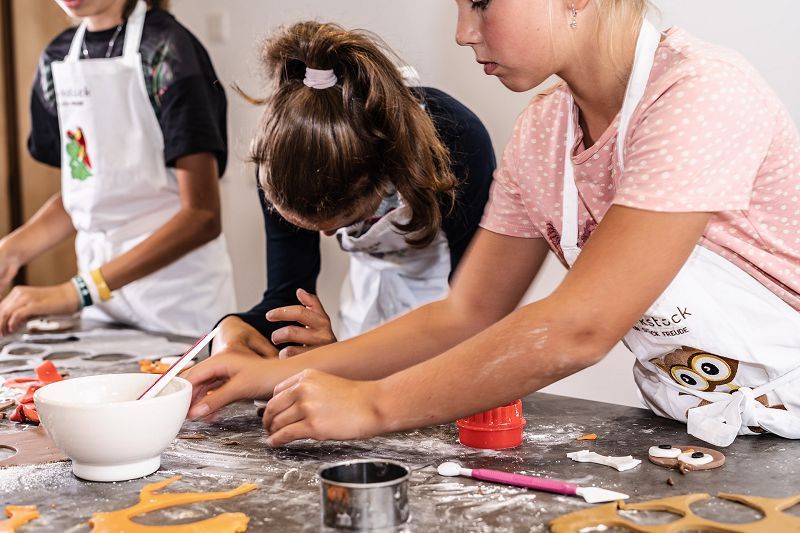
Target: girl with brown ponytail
400,174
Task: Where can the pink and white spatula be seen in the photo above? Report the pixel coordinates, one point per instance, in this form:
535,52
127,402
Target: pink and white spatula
590,494
163,380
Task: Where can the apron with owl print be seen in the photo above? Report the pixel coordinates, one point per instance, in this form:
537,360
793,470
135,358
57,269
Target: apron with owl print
717,349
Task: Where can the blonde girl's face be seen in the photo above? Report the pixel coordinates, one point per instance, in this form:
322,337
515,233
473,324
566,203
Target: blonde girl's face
514,40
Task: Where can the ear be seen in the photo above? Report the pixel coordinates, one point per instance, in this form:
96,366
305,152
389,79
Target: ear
580,5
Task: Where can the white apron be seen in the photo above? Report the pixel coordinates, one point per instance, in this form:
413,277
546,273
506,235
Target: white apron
717,347
117,189
387,277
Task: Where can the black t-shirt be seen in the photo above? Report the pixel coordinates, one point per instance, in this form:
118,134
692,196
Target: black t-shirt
293,254
187,98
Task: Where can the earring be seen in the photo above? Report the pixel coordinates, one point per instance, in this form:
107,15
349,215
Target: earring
573,23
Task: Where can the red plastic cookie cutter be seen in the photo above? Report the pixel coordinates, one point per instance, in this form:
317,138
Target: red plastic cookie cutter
497,429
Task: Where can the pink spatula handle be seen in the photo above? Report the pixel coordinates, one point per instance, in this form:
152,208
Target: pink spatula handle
518,480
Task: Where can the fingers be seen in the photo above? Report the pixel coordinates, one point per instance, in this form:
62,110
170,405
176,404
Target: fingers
298,313
291,351
259,344
292,432
280,402
288,416
301,335
209,370
7,308
311,301
205,376
289,382
201,391
219,398
19,317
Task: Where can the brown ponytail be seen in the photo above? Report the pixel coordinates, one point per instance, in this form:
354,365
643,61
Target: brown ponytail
151,4
321,152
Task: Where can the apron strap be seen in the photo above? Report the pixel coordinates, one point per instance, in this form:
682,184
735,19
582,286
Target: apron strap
569,204
646,46
74,53
133,33
720,421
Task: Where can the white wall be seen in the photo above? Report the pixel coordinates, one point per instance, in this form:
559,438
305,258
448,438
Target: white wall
421,31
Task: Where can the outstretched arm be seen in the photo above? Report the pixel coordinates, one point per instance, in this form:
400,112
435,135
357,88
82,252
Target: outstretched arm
625,266
197,222
493,278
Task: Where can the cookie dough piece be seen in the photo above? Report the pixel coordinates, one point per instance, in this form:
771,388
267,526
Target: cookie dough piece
690,459
620,463
51,325
664,451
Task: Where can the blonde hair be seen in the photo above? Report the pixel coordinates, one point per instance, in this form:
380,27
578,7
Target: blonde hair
611,15
617,21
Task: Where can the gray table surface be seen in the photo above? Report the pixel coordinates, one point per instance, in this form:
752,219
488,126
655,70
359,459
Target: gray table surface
287,498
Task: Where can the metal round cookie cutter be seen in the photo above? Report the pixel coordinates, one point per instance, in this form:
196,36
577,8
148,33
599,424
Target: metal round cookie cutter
364,494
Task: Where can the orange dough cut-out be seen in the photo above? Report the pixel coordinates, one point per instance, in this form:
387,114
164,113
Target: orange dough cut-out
18,515
120,520
774,518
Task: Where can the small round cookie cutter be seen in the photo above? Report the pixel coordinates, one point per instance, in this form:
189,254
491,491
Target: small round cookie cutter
364,494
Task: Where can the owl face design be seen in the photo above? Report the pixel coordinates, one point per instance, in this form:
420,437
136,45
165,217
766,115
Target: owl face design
698,370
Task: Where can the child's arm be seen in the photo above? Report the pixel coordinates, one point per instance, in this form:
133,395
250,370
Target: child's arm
49,226
626,264
483,291
197,222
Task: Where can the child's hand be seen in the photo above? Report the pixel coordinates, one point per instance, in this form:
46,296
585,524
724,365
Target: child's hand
237,335
316,327
316,405
229,376
23,303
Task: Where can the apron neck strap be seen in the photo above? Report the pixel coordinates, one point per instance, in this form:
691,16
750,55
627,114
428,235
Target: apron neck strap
569,204
74,53
133,34
646,46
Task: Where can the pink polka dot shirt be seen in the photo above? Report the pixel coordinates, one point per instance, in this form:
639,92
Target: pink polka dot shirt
709,135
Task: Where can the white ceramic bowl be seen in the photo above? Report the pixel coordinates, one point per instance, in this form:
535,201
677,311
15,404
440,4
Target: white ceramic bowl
97,422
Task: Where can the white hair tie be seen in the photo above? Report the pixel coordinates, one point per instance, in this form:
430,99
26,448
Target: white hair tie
319,79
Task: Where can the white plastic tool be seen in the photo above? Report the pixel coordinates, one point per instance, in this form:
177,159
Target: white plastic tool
590,494
182,362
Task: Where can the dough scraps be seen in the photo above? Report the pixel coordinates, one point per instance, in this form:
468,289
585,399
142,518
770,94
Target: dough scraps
774,519
620,463
46,373
153,367
120,520
18,515
161,366
590,436
685,463
33,447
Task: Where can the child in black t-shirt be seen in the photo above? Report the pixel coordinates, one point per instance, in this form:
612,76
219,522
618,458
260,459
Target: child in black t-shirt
140,135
